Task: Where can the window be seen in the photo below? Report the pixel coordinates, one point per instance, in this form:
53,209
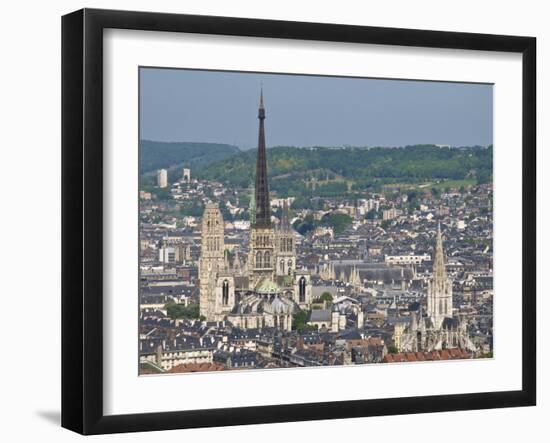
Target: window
258,259
225,293
302,289
267,259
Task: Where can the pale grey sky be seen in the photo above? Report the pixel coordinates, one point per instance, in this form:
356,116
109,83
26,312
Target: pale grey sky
221,107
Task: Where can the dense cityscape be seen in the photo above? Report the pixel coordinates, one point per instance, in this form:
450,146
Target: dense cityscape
239,278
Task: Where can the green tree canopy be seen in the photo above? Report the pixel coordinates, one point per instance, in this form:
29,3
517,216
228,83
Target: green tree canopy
176,310
339,222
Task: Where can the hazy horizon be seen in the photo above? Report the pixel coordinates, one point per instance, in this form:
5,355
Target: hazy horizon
195,106
242,149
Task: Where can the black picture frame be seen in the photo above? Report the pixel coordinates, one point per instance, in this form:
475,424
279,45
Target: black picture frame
82,218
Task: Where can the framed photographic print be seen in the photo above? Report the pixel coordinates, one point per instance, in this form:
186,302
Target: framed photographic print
269,221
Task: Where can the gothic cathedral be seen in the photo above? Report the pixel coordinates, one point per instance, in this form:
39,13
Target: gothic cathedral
265,288
439,329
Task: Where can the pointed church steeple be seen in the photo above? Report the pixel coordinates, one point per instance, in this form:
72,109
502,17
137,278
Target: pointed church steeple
263,209
262,98
440,290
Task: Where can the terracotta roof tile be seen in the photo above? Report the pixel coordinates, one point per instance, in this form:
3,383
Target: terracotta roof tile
445,354
455,352
196,367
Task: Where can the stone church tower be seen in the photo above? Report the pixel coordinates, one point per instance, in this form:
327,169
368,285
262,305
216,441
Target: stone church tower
440,289
212,256
439,329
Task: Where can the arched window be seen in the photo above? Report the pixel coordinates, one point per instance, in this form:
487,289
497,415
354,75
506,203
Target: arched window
289,267
282,266
446,306
225,293
267,259
289,244
258,259
302,289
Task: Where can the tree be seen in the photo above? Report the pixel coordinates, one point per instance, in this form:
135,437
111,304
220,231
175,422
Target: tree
363,167
175,310
303,226
371,215
162,193
155,155
484,176
326,297
338,222
392,349
194,209
299,321
412,196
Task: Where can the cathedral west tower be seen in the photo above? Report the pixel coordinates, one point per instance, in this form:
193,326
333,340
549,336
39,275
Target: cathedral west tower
212,257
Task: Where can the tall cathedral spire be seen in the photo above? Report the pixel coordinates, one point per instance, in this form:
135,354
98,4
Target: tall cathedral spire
263,209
